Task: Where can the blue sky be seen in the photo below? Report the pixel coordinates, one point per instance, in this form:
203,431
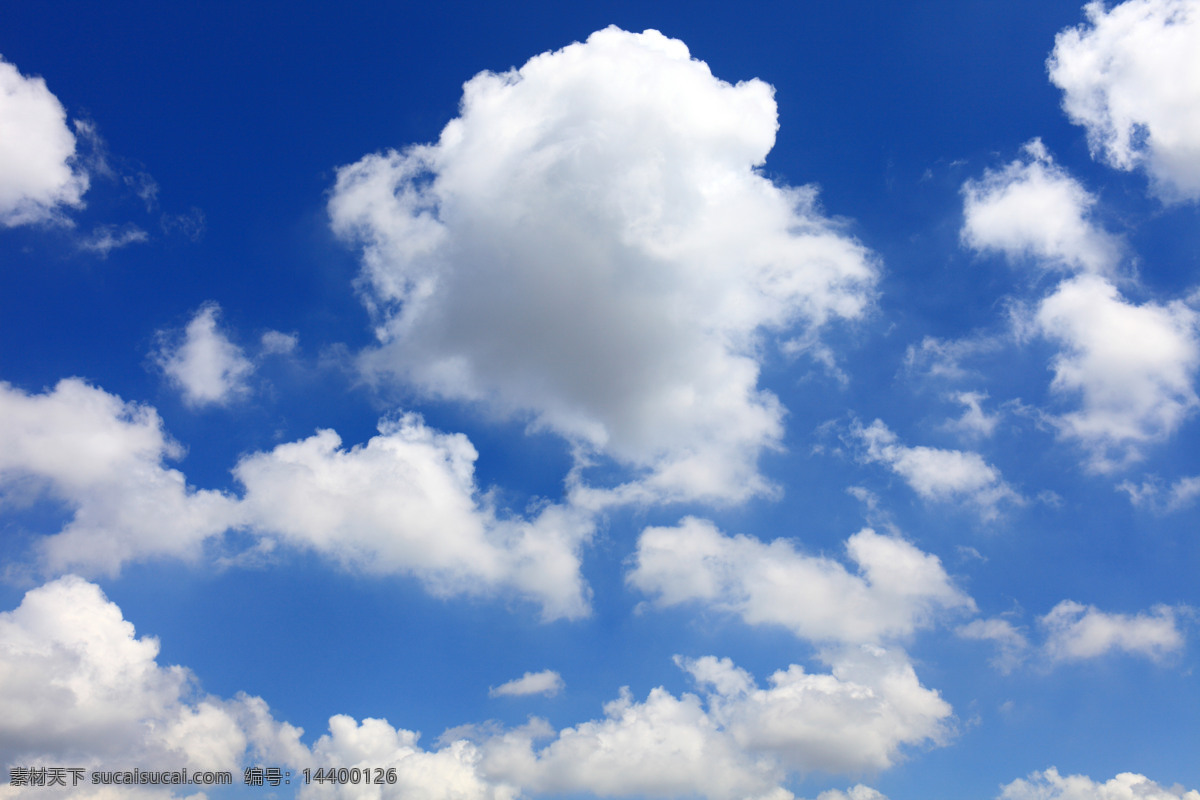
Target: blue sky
618,400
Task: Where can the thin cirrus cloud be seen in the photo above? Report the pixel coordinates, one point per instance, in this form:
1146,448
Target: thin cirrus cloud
405,502
38,174
607,192
898,590
1131,76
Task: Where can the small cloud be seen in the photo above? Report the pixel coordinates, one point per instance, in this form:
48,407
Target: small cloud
190,225
1077,632
547,682
106,238
279,343
1011,644
206,366
1181,494
974,422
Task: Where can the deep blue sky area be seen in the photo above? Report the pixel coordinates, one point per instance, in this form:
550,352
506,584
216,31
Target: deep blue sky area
311,405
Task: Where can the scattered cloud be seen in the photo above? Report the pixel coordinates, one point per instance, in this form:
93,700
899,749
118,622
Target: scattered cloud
1076,632
740,740
405,502
1049,785
1131,76
106,238
974,421
206,366
105,460
898,589
1179,495
547,682
38,173
1132,367
278,343
1012,646
937,474
591,242
1033,209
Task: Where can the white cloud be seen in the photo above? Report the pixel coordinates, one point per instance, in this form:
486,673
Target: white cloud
1131,77
279,343
450,772
1011,644
80,688
1076,632
38,175
1132,367
104,458
738,742
207,367
974,420
547,682
1049,785
938,474
590,242
406,501
898,589
856,792
1181,494
106,238
1033,209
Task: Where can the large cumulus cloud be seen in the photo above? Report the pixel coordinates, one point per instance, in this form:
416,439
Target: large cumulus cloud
590,242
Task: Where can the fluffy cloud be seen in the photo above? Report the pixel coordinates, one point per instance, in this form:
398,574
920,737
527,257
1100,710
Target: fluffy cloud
740,740
1033,209
938,474
405,502
1131,77
898,588
207,367
79,687
104,458
547,682
1132,367
590,243
38,175
1049,785
1076,632
450,772
974,421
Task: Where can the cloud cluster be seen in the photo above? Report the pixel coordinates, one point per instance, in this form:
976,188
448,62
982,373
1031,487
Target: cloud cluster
105,460
38,174
1050,785
109,701
80,687
405,502
740,740
897,590
590,243
938,474
1131,77
1131,367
